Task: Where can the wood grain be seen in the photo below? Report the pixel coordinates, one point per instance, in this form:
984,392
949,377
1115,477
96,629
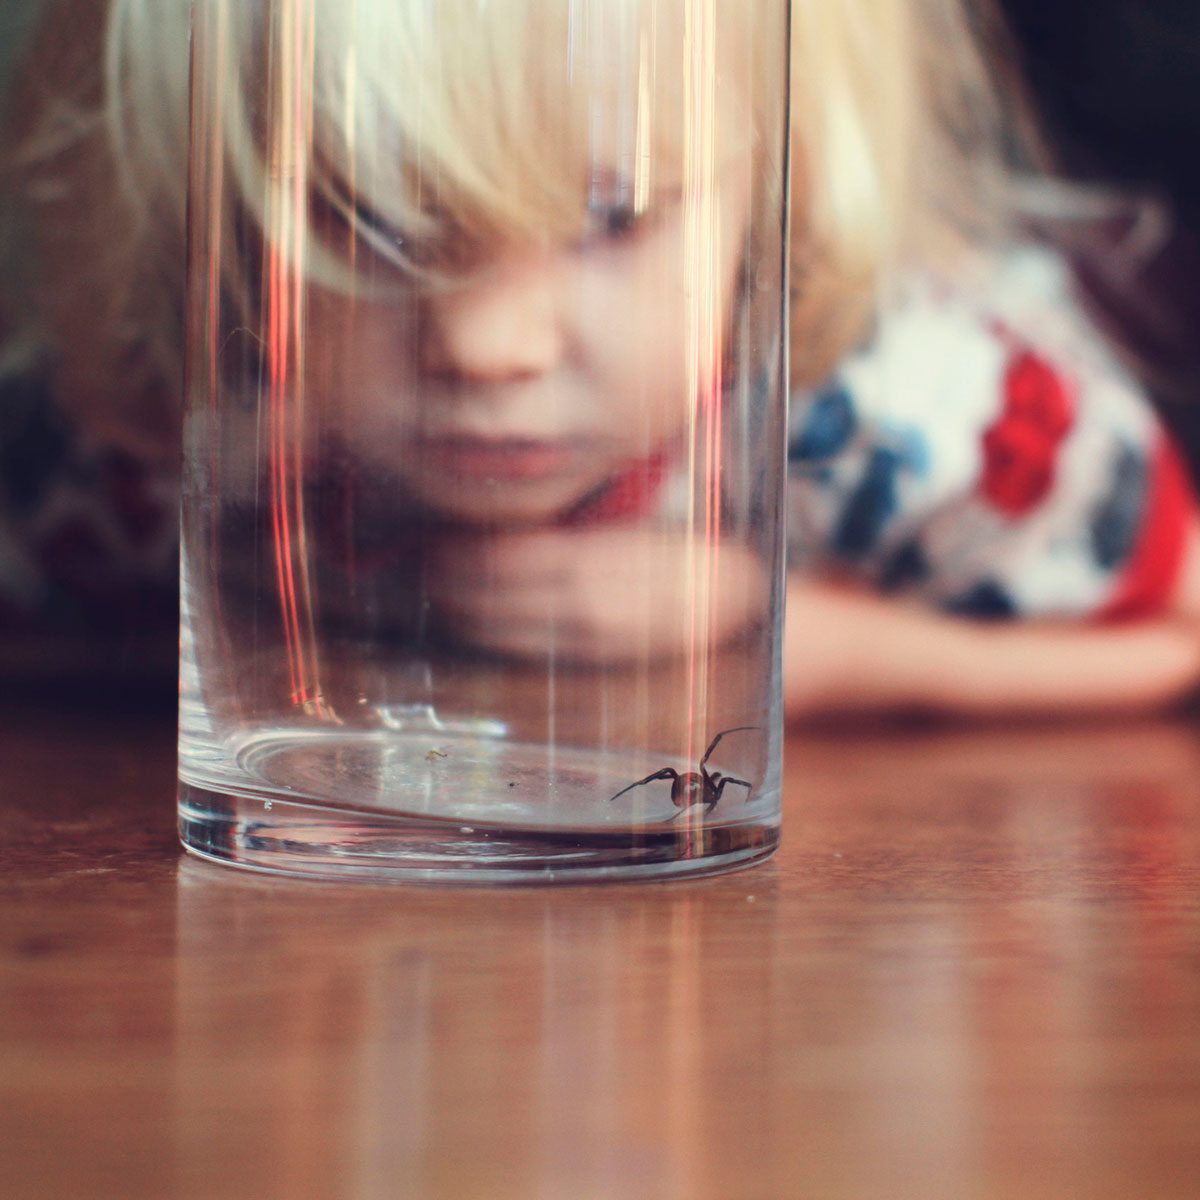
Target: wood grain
973,971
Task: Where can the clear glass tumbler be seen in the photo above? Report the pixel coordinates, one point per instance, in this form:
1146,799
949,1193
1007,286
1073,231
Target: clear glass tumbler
484,437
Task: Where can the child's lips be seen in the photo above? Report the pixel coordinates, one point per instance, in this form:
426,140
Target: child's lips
508,459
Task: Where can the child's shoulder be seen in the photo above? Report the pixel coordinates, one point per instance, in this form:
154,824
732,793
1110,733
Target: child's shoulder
952,348
1026,292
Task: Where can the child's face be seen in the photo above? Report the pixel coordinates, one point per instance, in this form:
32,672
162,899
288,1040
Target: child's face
508,397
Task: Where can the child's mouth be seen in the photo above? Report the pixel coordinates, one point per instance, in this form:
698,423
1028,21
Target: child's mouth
512,460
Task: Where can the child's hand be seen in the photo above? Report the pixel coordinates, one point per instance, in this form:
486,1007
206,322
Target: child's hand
602,596
848,651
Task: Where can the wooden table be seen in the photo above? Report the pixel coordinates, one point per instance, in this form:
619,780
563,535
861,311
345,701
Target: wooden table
973,971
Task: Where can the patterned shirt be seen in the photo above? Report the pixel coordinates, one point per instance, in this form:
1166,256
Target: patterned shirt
992,459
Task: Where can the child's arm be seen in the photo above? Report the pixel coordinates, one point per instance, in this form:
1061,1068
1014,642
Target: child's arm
850,651
582,595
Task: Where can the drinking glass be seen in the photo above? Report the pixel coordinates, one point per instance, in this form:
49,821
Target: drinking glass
484,437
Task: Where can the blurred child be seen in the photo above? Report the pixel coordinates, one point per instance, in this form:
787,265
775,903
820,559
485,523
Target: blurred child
984,515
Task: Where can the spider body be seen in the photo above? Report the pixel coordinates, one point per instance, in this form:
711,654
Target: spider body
689,788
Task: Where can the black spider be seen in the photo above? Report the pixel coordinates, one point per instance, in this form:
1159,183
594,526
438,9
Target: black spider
695,787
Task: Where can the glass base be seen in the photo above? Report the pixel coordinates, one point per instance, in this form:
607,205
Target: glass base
458,809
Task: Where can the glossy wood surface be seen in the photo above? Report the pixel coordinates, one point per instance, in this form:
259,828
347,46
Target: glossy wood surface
973,971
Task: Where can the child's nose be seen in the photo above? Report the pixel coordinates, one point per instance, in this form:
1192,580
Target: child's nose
503,326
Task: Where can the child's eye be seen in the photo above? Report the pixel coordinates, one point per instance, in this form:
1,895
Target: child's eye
377,233
616,211
615,222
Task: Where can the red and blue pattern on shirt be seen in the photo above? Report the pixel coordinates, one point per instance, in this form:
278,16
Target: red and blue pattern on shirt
994,462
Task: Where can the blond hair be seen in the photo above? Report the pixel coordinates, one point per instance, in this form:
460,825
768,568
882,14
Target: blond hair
466,127
904,156
900,145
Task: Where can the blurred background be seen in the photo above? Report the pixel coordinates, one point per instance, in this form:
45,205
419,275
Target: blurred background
87,571
1117,83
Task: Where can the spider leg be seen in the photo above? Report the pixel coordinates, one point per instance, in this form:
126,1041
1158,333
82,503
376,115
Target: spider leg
719,782
665,773
713,744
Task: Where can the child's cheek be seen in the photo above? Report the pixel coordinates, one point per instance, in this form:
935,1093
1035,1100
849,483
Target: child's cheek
360,360
630,326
